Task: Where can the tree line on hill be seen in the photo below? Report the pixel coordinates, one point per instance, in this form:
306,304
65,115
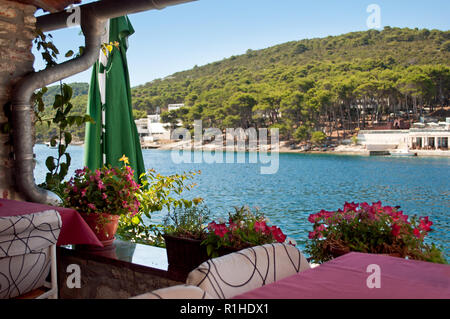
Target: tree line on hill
328,85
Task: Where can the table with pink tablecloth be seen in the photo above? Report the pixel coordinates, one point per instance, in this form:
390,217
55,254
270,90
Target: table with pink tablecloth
74,229
351,277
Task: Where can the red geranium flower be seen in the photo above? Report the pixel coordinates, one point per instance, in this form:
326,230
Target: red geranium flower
277,234
425,224
219,229
395,230
261,226
417,233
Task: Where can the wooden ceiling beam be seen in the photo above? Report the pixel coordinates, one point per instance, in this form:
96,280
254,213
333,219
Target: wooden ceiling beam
49,5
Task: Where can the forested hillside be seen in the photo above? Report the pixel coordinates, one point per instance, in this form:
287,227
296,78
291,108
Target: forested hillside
307,86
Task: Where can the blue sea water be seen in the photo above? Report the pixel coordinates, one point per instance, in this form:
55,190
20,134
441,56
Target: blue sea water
307,183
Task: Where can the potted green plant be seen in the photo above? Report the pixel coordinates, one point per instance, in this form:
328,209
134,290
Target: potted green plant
374,229
101,196
244,229
184,230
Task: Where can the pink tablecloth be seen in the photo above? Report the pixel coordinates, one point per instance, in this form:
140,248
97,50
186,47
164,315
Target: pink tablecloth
346,278
74,229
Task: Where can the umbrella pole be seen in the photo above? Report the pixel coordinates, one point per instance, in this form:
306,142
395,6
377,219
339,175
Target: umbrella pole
102,86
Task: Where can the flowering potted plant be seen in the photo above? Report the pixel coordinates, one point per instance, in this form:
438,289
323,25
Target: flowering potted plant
244,229
102,196
372,229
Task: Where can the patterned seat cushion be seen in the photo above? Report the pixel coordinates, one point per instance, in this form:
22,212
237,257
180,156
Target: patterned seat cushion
176,292
248,269
25,251
28,233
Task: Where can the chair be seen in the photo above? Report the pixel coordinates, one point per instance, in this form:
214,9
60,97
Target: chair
176,292
28,253
248,269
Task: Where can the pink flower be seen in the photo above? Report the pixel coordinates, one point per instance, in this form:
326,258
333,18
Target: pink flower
395,230
388,210
277,234
100,185
364,206
416,233
91,206
350,207
260,226
104,196
83,192
313,218
425,224
320,228
219,229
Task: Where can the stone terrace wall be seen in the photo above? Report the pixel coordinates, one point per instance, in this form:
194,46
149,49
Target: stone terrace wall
104,278
17,23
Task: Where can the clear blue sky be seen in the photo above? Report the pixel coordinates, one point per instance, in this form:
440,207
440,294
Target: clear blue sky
197,33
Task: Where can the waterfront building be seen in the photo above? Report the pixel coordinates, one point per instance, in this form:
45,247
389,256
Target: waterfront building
421,136
150,129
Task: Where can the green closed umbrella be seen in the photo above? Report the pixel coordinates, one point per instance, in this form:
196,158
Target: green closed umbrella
109,102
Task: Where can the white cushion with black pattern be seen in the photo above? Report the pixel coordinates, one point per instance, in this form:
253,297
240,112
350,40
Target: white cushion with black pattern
248,269
25,242
176,292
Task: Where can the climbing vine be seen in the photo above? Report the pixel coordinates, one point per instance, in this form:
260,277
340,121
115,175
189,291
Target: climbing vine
57,166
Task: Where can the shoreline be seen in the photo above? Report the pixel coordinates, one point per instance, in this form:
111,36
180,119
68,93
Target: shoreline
344,150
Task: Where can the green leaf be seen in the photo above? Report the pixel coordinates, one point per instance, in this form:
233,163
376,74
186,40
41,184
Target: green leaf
68,159
50,163
67,138
59,116
209,249
68,108
63,169
88,118
53,141
58,101
68,54
135,220
61,149
67,92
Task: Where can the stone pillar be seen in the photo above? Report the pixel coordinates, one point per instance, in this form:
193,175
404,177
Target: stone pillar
17,23
435,143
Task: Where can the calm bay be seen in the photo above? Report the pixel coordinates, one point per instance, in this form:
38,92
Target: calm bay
307,183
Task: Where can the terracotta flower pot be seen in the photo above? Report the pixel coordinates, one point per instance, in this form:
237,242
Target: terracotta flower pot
103,225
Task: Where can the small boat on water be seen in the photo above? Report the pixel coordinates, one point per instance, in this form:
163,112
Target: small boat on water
402,152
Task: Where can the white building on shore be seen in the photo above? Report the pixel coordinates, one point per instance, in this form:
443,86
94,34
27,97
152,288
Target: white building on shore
150,129
420,137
